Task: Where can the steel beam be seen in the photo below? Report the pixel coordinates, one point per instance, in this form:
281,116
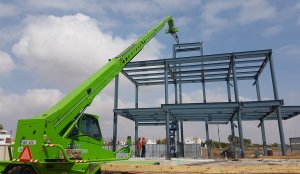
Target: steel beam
171,72
261,68
147,74
218,122
195,81
138,69
192,59
188,49
187,44
129,77
152,124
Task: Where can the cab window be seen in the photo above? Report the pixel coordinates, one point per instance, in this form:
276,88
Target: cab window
90,127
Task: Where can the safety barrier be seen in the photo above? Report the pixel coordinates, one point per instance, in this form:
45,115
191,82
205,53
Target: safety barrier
4,153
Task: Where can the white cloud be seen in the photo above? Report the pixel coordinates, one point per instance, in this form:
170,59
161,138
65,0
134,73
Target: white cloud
79,5
271,31
291,50
211,12
67,49
213,21
142,10
133,7
6,63
57,4
29,103
220,15
255,10
17,106
8,10
178,5
297,10
183,21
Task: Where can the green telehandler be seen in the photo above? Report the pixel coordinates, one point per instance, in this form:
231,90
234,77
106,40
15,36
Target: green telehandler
65,139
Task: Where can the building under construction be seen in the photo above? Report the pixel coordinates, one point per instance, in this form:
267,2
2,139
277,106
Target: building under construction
227,68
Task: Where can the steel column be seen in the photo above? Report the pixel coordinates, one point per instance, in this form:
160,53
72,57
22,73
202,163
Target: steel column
207,139
233,146
177,141
280,125
201,51
182,138
258,90
228,91
181,122
241,136
236,94
115,124
262,124
176,93
136,137
136,126
263,134
203,86
166,85
168,135
167,114
136,96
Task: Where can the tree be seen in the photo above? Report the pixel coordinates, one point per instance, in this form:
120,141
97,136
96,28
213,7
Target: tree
236,140
161,141
247,142
1,126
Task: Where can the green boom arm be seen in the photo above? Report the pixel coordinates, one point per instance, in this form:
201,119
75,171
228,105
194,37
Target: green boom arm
75,102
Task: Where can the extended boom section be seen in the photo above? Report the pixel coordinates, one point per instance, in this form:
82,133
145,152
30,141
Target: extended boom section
65,139
81,97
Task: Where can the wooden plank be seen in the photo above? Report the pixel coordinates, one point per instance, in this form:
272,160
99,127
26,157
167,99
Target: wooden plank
279,157
139,168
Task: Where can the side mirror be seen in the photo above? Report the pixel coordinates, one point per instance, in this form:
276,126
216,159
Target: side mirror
129,142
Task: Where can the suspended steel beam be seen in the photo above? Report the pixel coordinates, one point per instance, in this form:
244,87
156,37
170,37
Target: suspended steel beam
129,77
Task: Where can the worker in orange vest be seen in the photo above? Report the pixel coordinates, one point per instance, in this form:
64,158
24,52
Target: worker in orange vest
139,146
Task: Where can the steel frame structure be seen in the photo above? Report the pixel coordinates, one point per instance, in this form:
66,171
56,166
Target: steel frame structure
228,68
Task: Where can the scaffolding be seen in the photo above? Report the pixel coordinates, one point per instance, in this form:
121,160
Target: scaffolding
228,68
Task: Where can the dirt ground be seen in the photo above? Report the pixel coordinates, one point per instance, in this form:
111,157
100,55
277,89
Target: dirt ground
249,153
251,162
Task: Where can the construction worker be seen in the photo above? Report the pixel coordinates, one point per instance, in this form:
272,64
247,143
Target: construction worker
139,146
144,142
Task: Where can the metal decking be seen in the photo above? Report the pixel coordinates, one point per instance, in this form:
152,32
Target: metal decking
195,69
217,112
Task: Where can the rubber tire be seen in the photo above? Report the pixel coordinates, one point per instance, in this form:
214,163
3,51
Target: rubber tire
20,170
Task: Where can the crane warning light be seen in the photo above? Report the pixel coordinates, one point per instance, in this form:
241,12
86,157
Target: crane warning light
26,155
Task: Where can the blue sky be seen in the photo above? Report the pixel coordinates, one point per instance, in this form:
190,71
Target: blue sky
48,47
